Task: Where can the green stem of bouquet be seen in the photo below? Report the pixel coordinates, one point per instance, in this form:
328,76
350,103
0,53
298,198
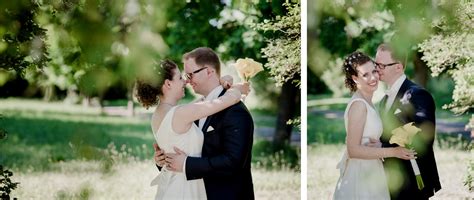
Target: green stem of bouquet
419,182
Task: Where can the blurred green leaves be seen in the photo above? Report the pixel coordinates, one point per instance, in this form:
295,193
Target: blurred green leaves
336,28
22,38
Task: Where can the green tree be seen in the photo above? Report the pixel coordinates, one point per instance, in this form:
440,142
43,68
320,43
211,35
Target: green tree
283,53
22,43
338,28
451,51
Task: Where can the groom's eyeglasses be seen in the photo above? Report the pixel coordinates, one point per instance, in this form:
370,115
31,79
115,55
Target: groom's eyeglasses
189,76
383,66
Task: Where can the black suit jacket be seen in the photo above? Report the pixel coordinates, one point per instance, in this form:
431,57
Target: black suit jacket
412,104
226,155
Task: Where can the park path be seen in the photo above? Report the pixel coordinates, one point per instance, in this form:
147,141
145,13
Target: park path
444,126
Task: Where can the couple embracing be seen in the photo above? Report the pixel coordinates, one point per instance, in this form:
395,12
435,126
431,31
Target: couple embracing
203,148
372,167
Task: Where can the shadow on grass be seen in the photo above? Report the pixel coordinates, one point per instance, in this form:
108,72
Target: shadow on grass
34,143
325,131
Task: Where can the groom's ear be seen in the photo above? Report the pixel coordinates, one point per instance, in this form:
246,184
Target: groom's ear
210,70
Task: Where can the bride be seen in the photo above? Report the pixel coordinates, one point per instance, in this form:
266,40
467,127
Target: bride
173,126
362,174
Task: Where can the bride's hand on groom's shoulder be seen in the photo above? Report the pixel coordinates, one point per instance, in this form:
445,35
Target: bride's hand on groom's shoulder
244,87
226,81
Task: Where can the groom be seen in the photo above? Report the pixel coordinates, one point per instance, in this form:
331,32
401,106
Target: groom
406,102
228,135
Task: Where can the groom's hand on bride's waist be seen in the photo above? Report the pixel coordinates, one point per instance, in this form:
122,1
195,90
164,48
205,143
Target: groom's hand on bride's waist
175,161
159,157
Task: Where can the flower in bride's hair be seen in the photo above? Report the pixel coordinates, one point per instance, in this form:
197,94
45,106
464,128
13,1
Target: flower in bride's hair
247,68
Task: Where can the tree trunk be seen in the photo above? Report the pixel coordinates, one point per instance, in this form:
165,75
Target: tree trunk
49,93
101,105
421,70
130,105
287,102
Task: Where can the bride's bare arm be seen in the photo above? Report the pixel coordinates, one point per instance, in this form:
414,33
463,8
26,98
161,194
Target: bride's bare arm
357,118
189,113
225,81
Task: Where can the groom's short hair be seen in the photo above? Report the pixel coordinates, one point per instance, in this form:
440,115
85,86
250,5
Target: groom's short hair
204,56
387,47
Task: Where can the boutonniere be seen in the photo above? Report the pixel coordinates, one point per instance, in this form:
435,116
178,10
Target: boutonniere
405,99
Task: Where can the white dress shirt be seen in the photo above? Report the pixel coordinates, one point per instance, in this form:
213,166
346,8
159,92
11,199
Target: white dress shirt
214,94
393,90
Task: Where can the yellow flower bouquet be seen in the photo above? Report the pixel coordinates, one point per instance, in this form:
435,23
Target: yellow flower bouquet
403,136
247,68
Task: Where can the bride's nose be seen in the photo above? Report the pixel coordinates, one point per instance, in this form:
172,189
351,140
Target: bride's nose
373,77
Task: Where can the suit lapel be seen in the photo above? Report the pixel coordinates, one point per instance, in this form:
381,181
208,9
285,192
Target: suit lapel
382,104
389,119
209,118
396,102
206,123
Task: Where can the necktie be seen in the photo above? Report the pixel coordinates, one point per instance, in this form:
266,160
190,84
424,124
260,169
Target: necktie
383,103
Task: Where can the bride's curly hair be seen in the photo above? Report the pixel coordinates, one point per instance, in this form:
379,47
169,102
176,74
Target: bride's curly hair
351,62
148,91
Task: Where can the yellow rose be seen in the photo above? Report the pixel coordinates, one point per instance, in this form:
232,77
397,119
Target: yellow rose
247,68
404,134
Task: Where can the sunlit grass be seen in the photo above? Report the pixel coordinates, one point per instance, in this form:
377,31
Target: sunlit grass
130,181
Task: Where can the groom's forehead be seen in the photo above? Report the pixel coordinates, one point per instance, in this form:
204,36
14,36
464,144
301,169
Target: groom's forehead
189,63
383,55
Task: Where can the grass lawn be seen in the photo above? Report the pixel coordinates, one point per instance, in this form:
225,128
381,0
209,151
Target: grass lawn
69,151
129,180
323,175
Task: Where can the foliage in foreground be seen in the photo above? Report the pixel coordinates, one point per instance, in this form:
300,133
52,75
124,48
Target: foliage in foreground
6,184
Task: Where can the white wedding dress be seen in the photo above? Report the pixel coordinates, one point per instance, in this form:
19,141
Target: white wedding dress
173,185
362,178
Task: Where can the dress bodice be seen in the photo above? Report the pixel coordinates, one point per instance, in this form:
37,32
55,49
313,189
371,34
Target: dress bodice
373,127
362,178
189,142
174,185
